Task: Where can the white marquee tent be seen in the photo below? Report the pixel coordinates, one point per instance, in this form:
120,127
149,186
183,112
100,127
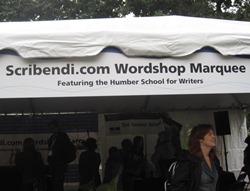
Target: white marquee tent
173,36
155,38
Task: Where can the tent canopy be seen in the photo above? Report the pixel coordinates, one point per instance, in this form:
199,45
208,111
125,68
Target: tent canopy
173,36
168,36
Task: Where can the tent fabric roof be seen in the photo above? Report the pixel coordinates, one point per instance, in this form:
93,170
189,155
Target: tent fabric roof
173,36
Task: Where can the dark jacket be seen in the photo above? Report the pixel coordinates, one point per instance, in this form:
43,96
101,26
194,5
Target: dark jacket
89,162
188,173
247,153
112,168
30,165
57,143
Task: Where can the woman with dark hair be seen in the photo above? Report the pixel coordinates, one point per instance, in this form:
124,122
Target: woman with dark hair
138,159
198,168
30,164
137,166
126,154
112,165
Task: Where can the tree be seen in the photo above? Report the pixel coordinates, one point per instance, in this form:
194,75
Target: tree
225,9
21,10
17,10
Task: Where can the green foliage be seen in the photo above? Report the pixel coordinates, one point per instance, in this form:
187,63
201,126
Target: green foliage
25,10
17,10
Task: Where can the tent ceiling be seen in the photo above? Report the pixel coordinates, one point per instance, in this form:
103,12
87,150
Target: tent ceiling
127,104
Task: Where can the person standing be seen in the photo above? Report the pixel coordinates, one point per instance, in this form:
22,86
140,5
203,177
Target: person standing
56,156
88,165
31,167
246,160
125,155
137,165
112,172
112,165
198,168
164,155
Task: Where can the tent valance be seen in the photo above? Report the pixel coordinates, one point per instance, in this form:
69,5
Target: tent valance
173,36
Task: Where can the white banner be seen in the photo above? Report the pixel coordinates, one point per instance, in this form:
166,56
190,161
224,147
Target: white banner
10,144
113,74
118,130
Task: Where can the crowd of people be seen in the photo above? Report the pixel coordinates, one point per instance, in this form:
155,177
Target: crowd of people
198,167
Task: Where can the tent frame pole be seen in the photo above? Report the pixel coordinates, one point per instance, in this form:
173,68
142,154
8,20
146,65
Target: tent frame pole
225,151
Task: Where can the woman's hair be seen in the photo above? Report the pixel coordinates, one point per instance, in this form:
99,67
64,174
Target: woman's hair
91,144
138,140
28,144
126,144
114,153
198,133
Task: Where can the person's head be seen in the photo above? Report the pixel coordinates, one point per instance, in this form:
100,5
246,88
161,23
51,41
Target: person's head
54,126
91,144
202,136
138,143
113,152
126,144
28,144
138,140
